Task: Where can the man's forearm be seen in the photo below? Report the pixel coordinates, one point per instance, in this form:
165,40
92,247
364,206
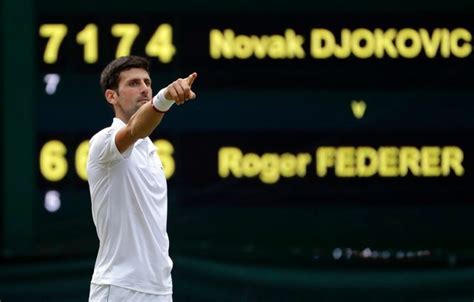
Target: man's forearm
144,121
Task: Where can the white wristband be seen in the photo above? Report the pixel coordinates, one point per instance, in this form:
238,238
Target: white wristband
161,103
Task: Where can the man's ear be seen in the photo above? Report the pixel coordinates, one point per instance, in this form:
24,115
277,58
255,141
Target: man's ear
111,96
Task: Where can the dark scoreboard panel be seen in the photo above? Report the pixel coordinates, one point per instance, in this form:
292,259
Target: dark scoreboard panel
319,51
313,132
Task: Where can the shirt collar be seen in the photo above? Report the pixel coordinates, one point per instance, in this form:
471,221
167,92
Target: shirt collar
117,123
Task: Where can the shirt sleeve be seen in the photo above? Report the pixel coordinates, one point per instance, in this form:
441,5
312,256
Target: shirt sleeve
103,150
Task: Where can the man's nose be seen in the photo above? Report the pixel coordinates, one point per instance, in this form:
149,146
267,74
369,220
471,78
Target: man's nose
143,87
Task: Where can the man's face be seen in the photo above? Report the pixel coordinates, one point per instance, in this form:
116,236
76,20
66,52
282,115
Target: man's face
134,90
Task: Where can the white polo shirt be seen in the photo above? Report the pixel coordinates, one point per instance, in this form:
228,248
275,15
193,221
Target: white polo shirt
129,208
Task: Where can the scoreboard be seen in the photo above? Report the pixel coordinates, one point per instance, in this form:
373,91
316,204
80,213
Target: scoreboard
314,131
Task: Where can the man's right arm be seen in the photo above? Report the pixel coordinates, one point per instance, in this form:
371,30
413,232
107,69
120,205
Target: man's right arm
140,125
149,116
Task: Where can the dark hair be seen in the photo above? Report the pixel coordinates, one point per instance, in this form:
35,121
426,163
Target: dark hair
110,77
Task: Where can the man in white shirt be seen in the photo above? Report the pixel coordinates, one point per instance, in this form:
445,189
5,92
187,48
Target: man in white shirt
128,187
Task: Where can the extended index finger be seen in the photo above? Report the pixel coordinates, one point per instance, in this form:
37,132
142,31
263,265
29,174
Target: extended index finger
191,78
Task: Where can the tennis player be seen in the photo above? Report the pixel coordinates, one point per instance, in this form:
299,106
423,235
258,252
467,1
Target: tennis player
128,186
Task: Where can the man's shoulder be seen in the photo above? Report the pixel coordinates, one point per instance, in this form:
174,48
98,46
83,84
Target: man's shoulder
107,132
101,135
98,144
